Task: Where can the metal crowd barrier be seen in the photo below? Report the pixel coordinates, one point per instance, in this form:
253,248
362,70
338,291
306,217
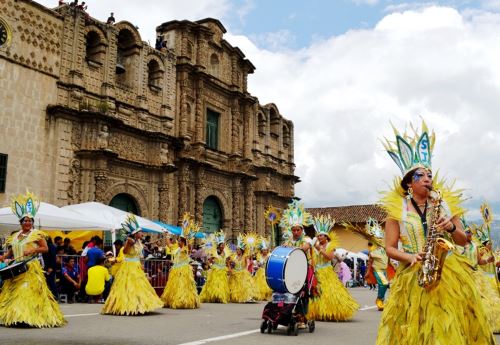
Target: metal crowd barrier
156,270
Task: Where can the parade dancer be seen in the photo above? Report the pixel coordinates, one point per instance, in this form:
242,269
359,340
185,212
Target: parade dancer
334,302
216,288
131,292
489,295
25,299
262,292
240,280
450,312
378,261
180,291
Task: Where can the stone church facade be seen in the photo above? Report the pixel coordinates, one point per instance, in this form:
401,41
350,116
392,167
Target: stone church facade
90,112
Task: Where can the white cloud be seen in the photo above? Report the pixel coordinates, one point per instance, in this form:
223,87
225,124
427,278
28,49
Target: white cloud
342,92
365,2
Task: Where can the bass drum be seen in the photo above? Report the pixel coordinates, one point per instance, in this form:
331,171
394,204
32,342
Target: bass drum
286,270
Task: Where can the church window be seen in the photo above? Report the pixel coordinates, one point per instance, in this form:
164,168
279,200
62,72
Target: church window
155,75
95,49
212,129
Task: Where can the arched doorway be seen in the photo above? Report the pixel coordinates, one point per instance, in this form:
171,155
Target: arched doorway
125,202
212,215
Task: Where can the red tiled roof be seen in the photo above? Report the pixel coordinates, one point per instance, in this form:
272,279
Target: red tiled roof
352,214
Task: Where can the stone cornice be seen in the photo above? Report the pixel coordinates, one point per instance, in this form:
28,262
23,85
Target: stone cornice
91,116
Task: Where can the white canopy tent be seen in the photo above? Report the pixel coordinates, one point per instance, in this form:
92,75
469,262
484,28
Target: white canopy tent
50,217
113,216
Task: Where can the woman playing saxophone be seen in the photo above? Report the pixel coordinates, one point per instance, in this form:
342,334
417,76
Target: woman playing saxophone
450,310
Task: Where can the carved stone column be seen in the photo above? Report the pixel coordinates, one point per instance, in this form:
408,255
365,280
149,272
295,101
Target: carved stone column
164,199
183,189
249,206
198,202
248,133
199,117
234,127
184,116
236,205
101,183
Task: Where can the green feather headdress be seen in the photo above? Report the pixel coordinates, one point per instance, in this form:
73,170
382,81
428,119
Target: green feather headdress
411,150
25,205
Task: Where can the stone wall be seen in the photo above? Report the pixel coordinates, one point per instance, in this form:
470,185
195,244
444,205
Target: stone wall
29,69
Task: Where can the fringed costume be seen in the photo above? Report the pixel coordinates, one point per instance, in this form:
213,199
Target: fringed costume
180,291
334,302
450,312
26,299
261,291
131,292
240,280
216,288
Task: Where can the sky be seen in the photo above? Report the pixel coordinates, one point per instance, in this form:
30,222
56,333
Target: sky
343,70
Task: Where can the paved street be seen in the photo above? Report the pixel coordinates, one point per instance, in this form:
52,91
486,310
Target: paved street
236,324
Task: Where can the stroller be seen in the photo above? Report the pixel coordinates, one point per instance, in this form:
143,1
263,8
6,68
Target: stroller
283,310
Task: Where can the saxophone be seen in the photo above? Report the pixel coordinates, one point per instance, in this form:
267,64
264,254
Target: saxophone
436,248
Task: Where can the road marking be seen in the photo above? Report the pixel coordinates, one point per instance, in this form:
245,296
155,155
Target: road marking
223,337
76,315
368,308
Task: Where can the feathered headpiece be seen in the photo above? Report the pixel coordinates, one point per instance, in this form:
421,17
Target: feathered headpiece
483,232
295,215
372,231
131,226
240,242
263,243
323,224
189,226
25,205
219,237
251,241
410,151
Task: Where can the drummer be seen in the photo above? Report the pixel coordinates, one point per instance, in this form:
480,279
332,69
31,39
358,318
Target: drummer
295,218
25,299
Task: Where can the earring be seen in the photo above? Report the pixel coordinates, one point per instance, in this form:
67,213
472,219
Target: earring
410,193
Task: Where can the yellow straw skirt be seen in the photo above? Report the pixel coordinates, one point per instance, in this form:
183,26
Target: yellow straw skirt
131,292
26,299
216,288
240,285
334,303
451,313
490,297
180,291
261,291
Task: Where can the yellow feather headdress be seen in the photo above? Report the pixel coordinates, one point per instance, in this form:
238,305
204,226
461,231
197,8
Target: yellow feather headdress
25,205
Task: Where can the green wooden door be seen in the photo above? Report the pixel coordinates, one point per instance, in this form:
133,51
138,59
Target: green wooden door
212,215
125,203
122,202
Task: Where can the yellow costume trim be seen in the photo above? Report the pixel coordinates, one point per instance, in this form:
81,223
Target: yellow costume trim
216,288
26,299
334,302
131,292
423,321
392,199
